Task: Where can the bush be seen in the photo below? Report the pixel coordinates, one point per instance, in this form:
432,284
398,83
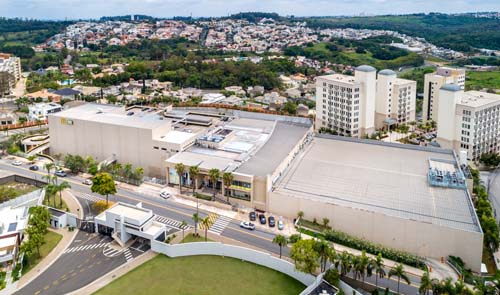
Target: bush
101,205
332,276
294,238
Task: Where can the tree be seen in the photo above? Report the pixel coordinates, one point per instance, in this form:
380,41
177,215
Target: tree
399,272
323,249
281,241
28,248
214,175
425,283
194,171
326,221
206,224
362,266
304,256
103,184
378,266
227,180
74,163
344,261
59,188
100,206
183,225
300,215
491,160
180,169
196,219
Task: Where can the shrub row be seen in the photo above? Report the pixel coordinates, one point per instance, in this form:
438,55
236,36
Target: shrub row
372,248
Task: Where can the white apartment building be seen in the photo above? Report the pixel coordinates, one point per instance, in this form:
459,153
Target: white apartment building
468,121
40,111
357,105
396,100
346,104
433,82
10,72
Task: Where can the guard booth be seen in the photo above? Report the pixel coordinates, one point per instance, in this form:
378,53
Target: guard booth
61,219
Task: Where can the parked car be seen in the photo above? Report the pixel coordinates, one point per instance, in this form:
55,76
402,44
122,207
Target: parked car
281,226
262,219
247,225
87,181
252,216
17,163
272,221
165,194
61,173
34,168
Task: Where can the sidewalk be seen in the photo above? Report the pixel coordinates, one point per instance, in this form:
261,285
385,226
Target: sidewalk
73,205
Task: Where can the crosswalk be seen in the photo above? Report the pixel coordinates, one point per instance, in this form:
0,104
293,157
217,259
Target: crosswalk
111,252
171,223
88,197
212,217
128,255
220,224
85,247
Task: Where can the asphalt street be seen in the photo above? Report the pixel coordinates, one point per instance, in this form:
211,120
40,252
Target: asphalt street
179,212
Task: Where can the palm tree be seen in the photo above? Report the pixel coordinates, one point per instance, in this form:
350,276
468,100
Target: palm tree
345,262
300,215
49,166
196,219
399,271
425,283
378,266
60,188
323,249
214,175
206,224
183,225
194,171
180,169
227,180
281,241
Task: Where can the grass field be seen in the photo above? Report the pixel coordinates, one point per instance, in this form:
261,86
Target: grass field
480,80
207,275
51,241
13,190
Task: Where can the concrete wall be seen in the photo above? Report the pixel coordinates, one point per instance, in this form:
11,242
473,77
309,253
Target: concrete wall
219,249
423,239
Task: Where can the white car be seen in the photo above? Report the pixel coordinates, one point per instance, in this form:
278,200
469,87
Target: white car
281,226
17,163
247,225
87,181
165,195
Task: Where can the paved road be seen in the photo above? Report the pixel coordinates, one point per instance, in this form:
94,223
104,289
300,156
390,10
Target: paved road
170,209
87,259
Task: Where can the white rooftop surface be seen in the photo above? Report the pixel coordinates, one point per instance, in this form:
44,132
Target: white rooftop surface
177,137
339,78
130,212
10,215
377,178
478,99
8,242
153,229
114,115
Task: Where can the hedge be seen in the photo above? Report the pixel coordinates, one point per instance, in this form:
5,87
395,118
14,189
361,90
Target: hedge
362,244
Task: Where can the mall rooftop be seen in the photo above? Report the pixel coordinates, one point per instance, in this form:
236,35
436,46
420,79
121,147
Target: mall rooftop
390,179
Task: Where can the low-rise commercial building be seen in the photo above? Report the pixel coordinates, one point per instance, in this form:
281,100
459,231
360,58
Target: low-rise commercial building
468,121
432,83
40,111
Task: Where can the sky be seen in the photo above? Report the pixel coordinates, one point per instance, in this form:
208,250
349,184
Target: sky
83,9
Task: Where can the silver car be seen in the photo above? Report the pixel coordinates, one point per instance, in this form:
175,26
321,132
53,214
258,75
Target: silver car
247,225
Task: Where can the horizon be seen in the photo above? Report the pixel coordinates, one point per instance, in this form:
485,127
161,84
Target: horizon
58,10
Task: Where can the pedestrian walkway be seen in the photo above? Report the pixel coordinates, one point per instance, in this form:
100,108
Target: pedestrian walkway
128,255
88,197
220,224
85,247
172,223
111,252
212,217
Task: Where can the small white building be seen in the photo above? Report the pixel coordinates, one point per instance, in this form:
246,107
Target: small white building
212,98
40,111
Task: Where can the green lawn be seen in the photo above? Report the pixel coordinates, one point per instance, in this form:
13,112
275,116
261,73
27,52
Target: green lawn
191,238
59,204
13,190
480,80
207,275
51,241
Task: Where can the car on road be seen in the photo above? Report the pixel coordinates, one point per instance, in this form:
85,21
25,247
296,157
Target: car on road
165,194
87,181
247,225
252,216
61,173
262,219
272,221
17,163
281,226
34,168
